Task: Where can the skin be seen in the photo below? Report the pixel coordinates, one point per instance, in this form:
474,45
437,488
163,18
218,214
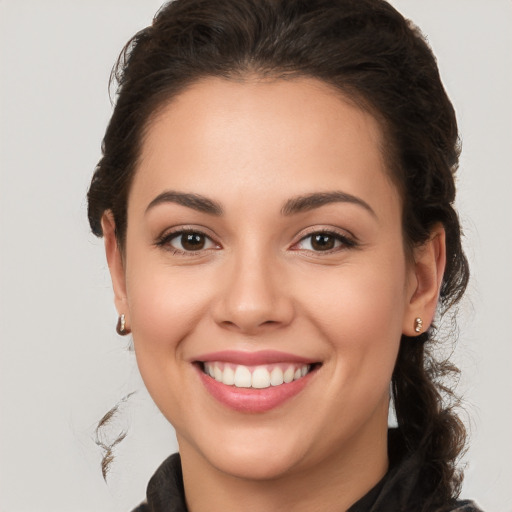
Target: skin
259,284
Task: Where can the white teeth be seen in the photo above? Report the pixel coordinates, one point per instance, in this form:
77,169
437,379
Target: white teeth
257,377
276,377
260,378
217,373
288,374
242,377
229,376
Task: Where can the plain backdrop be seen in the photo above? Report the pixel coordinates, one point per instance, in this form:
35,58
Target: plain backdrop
61,364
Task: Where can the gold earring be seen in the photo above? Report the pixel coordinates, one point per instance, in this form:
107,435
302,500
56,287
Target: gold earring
121,328
418,325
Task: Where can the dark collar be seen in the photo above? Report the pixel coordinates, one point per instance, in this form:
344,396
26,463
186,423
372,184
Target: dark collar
400,490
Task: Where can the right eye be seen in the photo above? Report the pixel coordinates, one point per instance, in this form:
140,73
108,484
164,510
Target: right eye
323,241
183,242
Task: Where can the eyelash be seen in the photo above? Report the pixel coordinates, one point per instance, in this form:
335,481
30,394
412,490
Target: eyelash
345,241
165,240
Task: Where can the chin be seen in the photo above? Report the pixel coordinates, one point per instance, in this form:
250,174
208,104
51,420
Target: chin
257,455
251,463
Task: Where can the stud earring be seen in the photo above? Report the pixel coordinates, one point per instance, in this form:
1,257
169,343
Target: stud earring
418,325
121,328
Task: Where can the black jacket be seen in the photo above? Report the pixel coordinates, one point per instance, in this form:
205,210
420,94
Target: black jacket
399,491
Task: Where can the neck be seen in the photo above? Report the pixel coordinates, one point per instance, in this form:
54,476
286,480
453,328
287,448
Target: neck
338,482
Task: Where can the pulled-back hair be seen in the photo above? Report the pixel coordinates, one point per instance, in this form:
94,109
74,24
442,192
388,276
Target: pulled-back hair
377,59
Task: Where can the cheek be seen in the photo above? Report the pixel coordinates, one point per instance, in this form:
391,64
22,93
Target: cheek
359,309
164,305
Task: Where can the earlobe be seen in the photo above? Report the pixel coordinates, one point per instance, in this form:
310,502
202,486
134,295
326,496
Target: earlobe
115,262
429,264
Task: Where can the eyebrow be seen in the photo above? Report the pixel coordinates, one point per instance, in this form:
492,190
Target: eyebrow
316,200
194,201
293,206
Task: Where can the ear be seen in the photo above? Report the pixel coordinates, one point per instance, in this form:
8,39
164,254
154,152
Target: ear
115,263
425,281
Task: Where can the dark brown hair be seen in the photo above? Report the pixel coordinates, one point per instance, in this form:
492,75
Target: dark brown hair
369,52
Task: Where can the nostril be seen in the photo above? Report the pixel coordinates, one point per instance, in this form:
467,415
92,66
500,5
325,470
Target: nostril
229,323
246,326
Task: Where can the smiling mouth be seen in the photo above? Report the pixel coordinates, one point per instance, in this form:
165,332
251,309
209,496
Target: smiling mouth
256,377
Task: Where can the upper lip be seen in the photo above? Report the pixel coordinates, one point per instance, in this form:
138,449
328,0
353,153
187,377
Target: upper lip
253,358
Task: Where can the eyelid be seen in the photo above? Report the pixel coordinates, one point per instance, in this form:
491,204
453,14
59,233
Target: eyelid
169,234
347,239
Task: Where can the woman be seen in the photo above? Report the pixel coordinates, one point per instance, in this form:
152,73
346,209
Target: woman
276,194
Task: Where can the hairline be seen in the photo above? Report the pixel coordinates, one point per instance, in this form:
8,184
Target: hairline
161,101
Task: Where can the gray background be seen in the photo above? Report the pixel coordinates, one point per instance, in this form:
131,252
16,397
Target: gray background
61,364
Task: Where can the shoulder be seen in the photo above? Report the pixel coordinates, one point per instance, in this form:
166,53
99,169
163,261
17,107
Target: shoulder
165,489
465,506
143,507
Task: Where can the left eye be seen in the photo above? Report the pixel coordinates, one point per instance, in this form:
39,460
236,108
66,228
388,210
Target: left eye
322,241
189,241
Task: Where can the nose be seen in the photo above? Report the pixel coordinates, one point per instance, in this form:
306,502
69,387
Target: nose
253,296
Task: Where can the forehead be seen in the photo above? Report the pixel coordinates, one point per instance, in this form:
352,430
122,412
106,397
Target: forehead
269,136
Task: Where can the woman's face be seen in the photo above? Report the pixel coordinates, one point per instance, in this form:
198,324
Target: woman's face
264,241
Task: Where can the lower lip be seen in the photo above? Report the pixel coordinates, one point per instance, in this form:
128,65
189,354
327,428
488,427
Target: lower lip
250,400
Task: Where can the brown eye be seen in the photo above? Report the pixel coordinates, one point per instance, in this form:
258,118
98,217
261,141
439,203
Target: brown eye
322,242
193,241
187,242
325,241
